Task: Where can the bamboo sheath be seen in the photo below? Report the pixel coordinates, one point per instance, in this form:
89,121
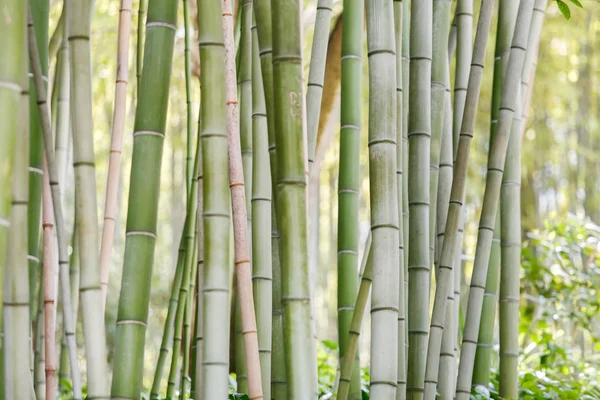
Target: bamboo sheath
69,325
116,145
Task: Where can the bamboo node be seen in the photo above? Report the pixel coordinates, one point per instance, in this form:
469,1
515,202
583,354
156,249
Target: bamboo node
160,24
132,321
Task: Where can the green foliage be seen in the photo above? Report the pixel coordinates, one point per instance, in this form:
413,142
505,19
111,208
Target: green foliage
564,7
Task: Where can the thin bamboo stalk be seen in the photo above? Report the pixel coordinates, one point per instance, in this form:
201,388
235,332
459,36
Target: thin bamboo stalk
196,389
445,271
14,134
349,178
148,139
384,198
316,75
69,325
63,68
447,368
116,145
400,134
262,276
39,373
510,88
243,269
49,286
358,313
64,364
481,373
419,137
57,38
141,33
216,203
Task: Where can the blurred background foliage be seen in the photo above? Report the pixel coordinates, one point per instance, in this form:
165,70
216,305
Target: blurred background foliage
560,194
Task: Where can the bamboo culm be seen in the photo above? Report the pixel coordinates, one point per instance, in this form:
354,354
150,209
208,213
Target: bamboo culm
510,88
68,320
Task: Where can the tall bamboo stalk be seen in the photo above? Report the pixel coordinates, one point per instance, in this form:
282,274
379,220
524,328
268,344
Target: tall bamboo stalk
262,276
262,9
349,177
216,203
419,137
196,367
189,158
49,293
63,255
481,374
63,68
510,88
445,271
243,269
39,367
355,325
116,145
400,134
64,364
384,199
40,12
148,138
447,367
185,375
17,378
291,198
79,26
316,75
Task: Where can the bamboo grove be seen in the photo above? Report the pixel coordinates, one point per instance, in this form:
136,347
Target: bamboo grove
243,290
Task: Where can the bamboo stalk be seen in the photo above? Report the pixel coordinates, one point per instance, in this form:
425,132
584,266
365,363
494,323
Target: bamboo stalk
69,325
349,177
196,390
445,271
243,269
141,33
148,139
400,134
262,200
358,313
116,145
510,88
49,285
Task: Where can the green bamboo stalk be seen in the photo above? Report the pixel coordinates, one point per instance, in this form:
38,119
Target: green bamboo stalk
316,74
79,26
447,368
13,205
149,133
39,375
349,177
141,33
216,203
452,37
481,373
384,199
291,198
419,137
116,145
445,271
64,364
358,313
243,269
62,90
439,66
261,219
40,12
400,134
509,99
262,9
185,385
57,38
63,257
189,158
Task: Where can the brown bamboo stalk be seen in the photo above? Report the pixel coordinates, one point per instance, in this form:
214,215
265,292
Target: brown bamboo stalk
238,202
49,274
116,144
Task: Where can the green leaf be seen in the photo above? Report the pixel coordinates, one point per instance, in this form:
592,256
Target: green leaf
564,9
577,3
330,344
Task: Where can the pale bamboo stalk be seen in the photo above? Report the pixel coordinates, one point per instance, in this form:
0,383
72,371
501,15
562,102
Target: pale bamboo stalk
63,254
116,145
49,288
243,270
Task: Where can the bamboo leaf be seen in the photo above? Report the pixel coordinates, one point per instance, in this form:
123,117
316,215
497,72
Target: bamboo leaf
564,9
577,3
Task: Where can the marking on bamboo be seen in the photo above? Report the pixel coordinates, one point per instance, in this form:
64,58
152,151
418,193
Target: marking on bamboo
36,170
151,133
388,383
354,252
11,86
132,321
160,24
33,258
351,57
295,104
141,233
